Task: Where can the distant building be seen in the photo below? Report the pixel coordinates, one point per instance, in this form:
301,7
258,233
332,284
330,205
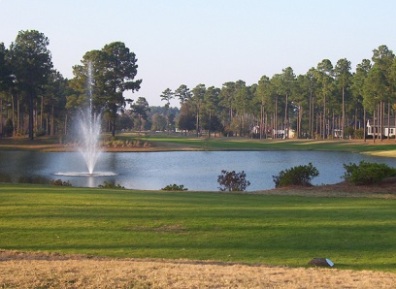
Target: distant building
386,130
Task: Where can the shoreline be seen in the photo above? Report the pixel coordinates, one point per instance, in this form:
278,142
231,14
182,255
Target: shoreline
127,143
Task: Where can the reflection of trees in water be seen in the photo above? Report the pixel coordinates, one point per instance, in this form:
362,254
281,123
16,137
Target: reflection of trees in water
5,178
33,180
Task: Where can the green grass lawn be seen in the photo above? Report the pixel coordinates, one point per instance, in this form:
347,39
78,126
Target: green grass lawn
280,230
255,144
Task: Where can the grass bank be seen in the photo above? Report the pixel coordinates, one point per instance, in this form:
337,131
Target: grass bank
356,233
159,142
356,146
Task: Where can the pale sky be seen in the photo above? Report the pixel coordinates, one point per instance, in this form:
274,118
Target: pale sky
206,41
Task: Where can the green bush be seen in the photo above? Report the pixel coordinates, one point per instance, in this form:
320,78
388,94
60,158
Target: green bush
296,176
232,181
61,183
174,187
359,133
349,132
110,185
367,173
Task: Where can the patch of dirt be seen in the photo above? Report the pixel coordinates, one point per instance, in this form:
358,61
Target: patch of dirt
46,270
386,189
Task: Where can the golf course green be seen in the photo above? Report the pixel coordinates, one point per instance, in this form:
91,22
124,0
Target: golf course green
355,233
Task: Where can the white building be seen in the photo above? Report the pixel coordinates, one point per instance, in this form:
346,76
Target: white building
386,131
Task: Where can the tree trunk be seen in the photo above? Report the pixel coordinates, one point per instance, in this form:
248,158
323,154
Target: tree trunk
18,120
52,125
310,116
276,117
113,127
343,113
374,128
261,127
265,124
286,122
65,124
364,124
381,118
197,122
35,115
388,119
31,111
1,118
324,118
300,114
42,112
210,122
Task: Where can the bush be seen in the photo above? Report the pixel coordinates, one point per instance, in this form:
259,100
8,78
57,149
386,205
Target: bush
296,176
110,185
359,133
367,173
61,183
174,187
232,181
349,132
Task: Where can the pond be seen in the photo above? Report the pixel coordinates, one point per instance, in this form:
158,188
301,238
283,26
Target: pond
194,170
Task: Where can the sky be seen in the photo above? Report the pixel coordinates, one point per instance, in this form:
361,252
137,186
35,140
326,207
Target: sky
206,41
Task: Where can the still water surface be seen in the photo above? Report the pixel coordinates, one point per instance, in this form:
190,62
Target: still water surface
194,170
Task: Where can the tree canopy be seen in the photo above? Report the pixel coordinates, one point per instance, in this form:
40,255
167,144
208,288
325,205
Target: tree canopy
329,100
31,67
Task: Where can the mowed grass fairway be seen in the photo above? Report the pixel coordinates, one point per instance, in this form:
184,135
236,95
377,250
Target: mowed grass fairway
356,233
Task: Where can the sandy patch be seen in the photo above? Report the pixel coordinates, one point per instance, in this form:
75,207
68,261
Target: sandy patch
39,270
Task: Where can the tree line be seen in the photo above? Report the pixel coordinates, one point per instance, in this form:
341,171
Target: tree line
35,99
329,100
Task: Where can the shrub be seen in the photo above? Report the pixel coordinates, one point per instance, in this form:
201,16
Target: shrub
59,182
232,181
296,176
359,133
349,132
367,173
110,185
174,187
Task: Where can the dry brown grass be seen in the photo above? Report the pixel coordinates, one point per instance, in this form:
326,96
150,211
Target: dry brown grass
39,270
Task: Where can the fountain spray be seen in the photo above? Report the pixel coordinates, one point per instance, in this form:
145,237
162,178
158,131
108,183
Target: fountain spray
90,125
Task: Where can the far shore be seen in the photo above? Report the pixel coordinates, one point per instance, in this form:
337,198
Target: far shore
147,143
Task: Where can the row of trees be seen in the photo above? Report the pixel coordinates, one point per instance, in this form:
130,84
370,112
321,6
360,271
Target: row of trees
329,100
30,85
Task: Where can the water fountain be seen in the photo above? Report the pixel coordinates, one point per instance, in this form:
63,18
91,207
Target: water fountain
89,129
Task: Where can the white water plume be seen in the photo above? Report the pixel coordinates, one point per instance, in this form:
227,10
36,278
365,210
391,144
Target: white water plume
90,129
